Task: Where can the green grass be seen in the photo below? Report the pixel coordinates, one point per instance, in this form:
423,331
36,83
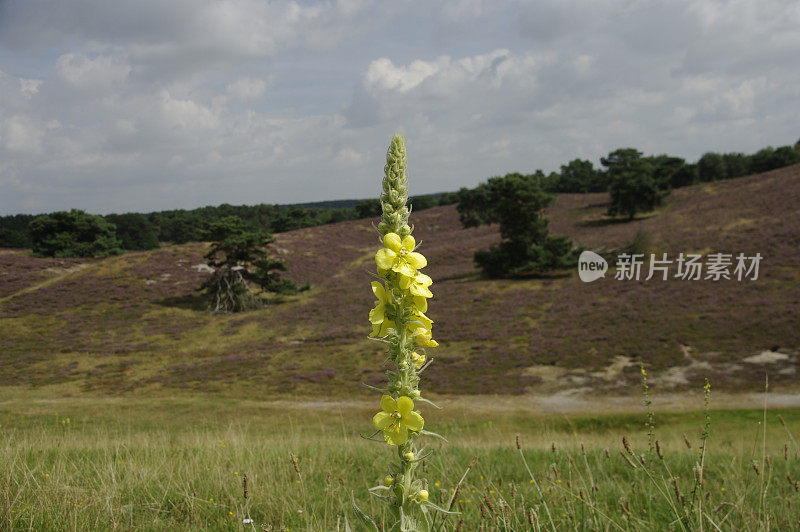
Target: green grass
178,464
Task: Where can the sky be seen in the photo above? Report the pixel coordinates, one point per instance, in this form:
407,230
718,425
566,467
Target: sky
119,106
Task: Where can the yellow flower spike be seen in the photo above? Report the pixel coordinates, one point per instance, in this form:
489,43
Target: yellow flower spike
399,256
377,316
396,418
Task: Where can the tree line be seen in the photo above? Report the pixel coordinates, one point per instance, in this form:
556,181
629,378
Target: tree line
67,233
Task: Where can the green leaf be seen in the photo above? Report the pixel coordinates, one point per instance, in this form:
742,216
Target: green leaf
364,518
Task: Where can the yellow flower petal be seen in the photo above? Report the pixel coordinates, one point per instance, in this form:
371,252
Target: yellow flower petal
388,404
416,260
413,421
385,326
422,318
385,258
422,336
423,280
379,291
409,243
404,282
397,435
405,405
376,329
421,303
420,290
404,268
377,315
392,241
382,420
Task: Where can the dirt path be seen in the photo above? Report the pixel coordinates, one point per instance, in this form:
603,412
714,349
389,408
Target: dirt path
64,273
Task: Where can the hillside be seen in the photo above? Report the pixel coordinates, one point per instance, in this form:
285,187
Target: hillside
130,324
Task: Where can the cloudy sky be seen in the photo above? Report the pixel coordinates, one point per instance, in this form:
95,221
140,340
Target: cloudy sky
116,106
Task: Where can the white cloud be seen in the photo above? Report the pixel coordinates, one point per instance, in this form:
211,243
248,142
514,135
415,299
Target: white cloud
23,135
347,156
29,87
81,71
247,88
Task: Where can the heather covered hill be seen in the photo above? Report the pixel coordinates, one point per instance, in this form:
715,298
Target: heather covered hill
131,323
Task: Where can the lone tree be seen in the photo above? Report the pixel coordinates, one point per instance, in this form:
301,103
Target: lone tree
240,262
631,184
515,202
73,234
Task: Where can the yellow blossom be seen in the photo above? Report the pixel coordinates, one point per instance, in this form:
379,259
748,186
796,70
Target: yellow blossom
399,256
396,418
419,318
418,359
422,336
377,316
419,289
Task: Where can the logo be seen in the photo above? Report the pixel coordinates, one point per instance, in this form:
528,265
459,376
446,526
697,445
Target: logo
591,266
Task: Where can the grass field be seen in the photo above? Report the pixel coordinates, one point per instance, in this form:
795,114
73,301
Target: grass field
179,463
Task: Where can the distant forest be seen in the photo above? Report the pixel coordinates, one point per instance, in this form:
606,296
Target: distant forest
137,231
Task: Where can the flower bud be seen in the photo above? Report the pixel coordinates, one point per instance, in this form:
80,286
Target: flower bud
414,394
388,480
409,456
423,495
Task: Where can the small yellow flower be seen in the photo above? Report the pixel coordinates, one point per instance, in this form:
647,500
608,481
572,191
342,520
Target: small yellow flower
422,336
418,359
419,287
418,316
396,419
399,256
377,316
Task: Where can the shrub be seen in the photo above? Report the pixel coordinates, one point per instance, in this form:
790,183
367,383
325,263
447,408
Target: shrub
73,234
515,202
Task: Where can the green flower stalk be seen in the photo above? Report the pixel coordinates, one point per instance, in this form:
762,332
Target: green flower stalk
399,320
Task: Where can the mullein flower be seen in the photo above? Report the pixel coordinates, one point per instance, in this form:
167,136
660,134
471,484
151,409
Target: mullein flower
377,316
399,256
422,336
396,418
420,289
